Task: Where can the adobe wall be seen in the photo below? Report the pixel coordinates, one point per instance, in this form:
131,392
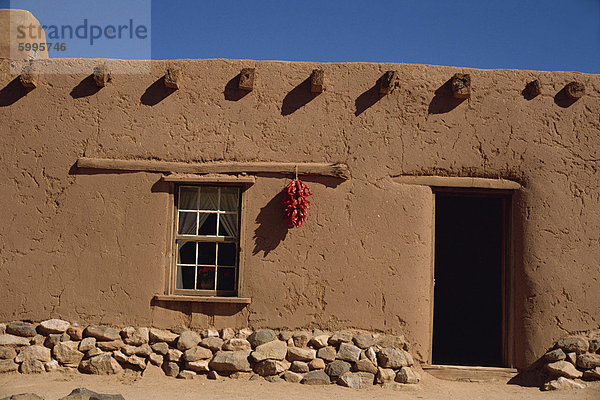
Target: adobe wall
91,246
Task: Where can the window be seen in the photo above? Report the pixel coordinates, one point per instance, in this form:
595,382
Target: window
207,241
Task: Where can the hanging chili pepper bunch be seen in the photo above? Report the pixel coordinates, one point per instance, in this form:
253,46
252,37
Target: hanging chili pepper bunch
295,203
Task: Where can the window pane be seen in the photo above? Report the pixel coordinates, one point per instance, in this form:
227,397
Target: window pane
187,223
226,279
188,198
185,277
208,224
187,252
230,198
228,225
209,198
227,252
206,278
206,253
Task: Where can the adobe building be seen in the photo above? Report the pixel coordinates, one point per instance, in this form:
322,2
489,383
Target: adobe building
458,210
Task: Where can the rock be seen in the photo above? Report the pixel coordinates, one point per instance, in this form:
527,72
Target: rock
198,366
2,328
7,353
120,357
298,354
171,369
75,332
32,366
186,374
586,361
285,336
371,355
110,345
135,336
23,396
348,352
270,367
159,335
327,353
274,350
290,376
336,368
143,350
577,344
363,341
562,383
301,338
160,348
55,338
85,394
320,341
37,339
210,333
300,367
367,378
156,359
213,343
340,337
563,368
261,336
51,365
152,373
351,380
174,355
231,361
137,362
128,350
8,366
318,377
103,364
243,333
35,352
94,351
187,340
572,358
102,333
407,375
317,363
365,366
237,344
24,329
87,344
213,375
594,345
53,326
273,379
554,355
241,375
227,333
592,374
392,358
392,341
13,341
385,375
67,354
197,353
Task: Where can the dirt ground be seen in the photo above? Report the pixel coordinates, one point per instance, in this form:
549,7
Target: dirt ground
56,385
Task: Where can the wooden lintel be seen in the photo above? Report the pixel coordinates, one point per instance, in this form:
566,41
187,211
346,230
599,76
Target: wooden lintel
317,81
458,182
210,178
325,169
203,299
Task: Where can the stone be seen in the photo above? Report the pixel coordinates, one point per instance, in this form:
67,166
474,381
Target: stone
159,335
577,344
24,329
261,336
554,355
51,365
197,353
186,374
340,337
319,341
23,396
317,363
385,375
318,377
110,345
584,361
371,355
236,344
87,344
171,81
298,354
300,367
128,350
335,369
348,352
32,367
13,340
213,375
327,353
75,332
351,380
35,352
103,364
102,333
241,375
301,338
363,341
7,353
160,348
392,358
563,368
120,357
246,79
8,366
174,355
243,333
285,335
94,351
594,345
273,379
572,358
592,374
274,350
365,366
38,339
171,369
231,361
270,367
2,328
137,362
227,333
367,378
187,340
562,383
86,394
143,350
66,353
392,341
55,338
135,336
198,366
290,376
156,359
210,333
53,326
407,375
213,343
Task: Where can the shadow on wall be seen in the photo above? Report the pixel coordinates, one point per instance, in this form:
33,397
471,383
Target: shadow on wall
297,98
209,309
272,227
368,98
87,87
443,101
12,92
156,93
232,92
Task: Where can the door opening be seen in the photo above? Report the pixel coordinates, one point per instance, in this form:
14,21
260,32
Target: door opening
469,311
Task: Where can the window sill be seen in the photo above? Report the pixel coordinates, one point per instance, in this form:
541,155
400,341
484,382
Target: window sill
204,299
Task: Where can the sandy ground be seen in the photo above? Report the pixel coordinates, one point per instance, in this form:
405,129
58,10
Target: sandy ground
56,385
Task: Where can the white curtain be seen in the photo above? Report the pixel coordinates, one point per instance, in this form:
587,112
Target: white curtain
230,199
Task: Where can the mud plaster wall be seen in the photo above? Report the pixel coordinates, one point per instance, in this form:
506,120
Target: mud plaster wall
92,247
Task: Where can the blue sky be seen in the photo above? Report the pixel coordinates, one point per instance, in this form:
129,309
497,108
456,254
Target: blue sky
521,34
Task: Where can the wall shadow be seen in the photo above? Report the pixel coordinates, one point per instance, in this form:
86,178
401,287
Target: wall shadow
444,100
232,92
156,93
562,100
210,309
87,87
12,92
297,98
368,98
328,181
272,227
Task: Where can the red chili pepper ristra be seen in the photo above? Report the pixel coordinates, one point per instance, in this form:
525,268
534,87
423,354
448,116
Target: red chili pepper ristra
295,204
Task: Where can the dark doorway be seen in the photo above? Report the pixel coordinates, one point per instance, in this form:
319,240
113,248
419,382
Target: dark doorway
470,254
